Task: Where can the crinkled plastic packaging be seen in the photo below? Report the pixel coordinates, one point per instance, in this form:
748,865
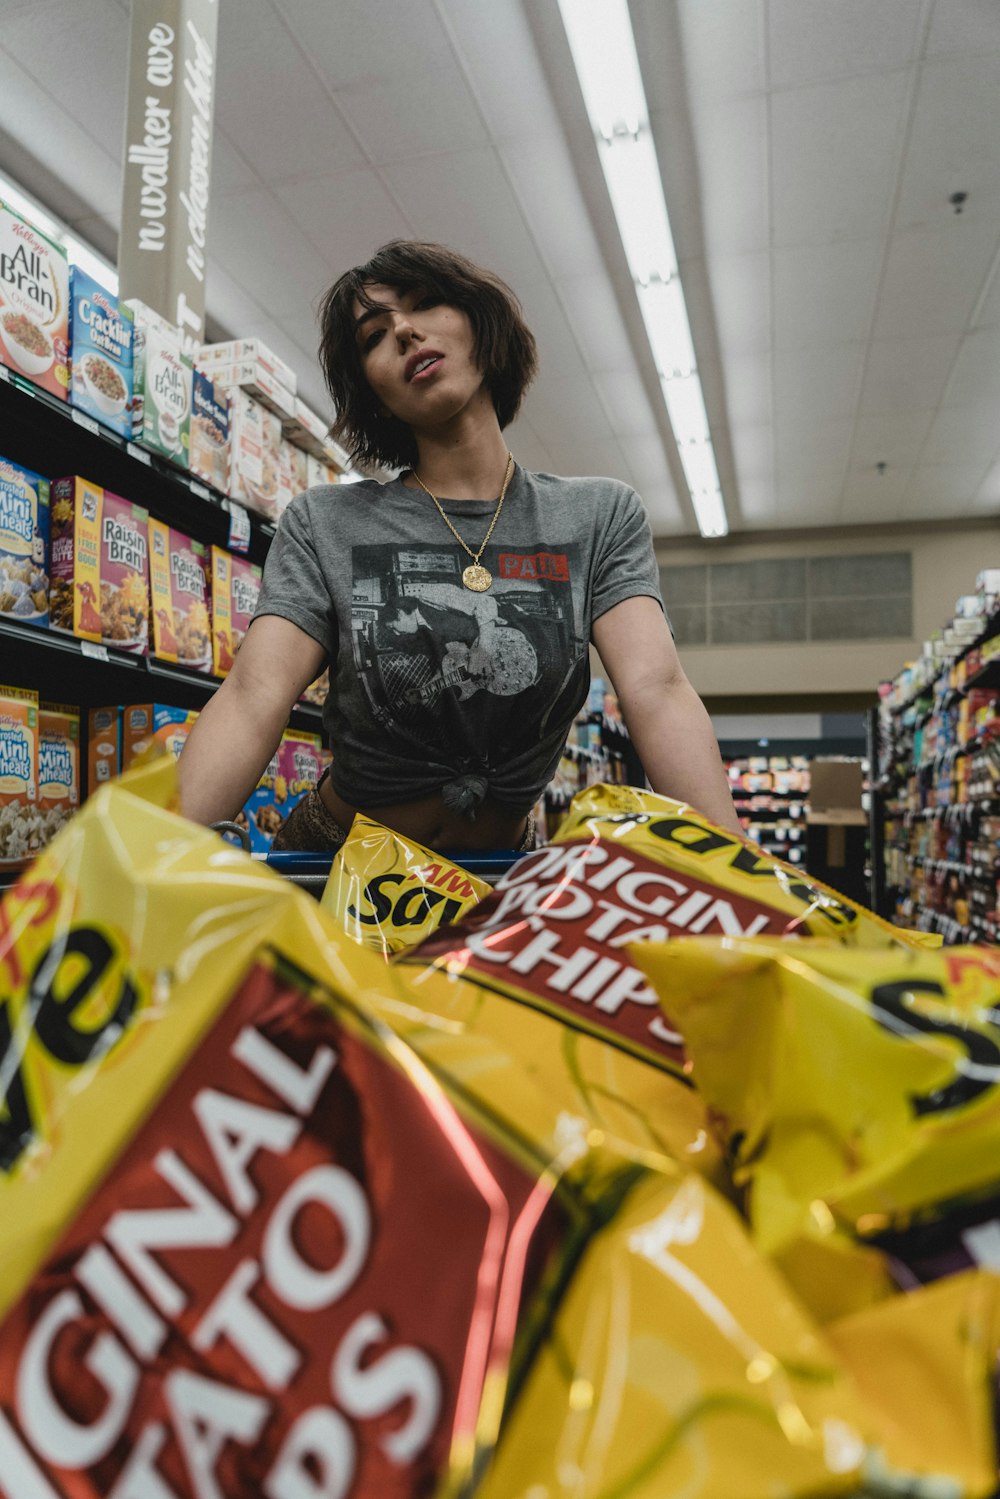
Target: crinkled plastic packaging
255,1241
859,1094
389,892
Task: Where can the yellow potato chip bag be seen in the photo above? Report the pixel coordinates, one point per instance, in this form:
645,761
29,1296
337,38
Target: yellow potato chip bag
390,892
255,1241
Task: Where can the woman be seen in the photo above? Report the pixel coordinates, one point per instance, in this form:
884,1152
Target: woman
455,603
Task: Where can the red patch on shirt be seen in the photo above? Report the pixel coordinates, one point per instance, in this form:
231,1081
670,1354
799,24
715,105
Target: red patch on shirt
533,565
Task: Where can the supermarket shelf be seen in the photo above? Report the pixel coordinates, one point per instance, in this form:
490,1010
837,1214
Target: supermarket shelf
987,676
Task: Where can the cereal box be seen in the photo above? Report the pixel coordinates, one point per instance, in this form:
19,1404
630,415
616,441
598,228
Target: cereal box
235,587
300,765
144,724
209,445
252,350
254,454
24,542
58,765
178,576
257,382
34,303
300,469
100,575
102,335
320,472
163,386
20,819
104,747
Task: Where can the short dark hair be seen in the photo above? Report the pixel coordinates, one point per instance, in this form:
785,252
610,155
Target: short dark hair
504,346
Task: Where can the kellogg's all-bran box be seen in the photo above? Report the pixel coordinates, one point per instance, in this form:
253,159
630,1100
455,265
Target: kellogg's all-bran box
102,335
178,576
235,588
161,416
20,820
100,572
24,543
34,303
58,765
208,454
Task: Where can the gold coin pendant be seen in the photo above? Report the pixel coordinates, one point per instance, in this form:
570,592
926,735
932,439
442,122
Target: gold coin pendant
477,578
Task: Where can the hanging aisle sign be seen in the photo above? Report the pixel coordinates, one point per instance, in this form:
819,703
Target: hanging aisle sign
162,252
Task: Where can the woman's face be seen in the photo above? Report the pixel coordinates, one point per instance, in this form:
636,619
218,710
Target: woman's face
417,355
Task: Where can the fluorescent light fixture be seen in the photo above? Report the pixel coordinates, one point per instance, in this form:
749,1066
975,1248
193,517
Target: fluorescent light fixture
600,39
80,254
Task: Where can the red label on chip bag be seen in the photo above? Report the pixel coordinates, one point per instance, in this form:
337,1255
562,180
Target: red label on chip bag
294,1280
555,928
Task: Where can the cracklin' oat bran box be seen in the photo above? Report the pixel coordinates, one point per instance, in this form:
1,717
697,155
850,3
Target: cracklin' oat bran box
20,821
100,573
34,304
235,588
178,575
24,543
102,338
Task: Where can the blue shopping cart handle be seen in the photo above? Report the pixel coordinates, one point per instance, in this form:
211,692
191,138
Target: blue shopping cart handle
483,862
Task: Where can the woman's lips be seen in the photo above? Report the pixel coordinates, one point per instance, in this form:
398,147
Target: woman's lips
421,366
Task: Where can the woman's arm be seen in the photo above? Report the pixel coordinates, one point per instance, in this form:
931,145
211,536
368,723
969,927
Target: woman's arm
665,717
238,731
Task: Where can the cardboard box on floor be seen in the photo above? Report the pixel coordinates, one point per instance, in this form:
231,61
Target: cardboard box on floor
837,824
835,788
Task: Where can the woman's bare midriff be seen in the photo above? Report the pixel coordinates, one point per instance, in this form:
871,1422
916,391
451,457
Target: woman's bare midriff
427,820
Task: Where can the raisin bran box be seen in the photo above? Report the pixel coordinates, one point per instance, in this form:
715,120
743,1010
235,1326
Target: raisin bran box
58,765
178,576
24,544
20,820
34,304
235,588
208,454
102,335
100,573
161,416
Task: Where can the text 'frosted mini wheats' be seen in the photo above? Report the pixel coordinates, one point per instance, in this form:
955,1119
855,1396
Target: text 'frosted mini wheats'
20,822
102,337
34,304
24,540
100,570
58,765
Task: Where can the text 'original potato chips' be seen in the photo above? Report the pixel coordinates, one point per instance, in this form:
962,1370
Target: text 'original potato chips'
389,892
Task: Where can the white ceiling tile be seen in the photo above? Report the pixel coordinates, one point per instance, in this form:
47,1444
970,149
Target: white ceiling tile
988,312
545,184
748,388
895,440
963,435
753,453
906,374
933,278
817,382
504,71
833,158
647,461
231,170
623,396
30,114
836,38
812,447
360,42
594,316
463,200
949,485
976,373
558,351
723,47
988,493
824,293
413,116
741,296
961,26
731,149
666,517
270,102
567,411
872,497
262,252
758,502
345,217
954,142
808,499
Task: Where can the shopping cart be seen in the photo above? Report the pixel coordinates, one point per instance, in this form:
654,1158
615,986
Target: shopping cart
311,871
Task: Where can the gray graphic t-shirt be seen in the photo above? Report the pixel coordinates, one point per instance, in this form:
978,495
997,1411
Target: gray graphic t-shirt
430,683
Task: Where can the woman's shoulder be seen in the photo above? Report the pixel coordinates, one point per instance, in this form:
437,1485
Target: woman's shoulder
322,502
576,488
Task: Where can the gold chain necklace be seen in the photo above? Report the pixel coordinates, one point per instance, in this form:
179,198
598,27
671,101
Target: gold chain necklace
475,577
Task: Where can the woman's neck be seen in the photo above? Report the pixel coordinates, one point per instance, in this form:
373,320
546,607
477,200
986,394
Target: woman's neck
463,465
